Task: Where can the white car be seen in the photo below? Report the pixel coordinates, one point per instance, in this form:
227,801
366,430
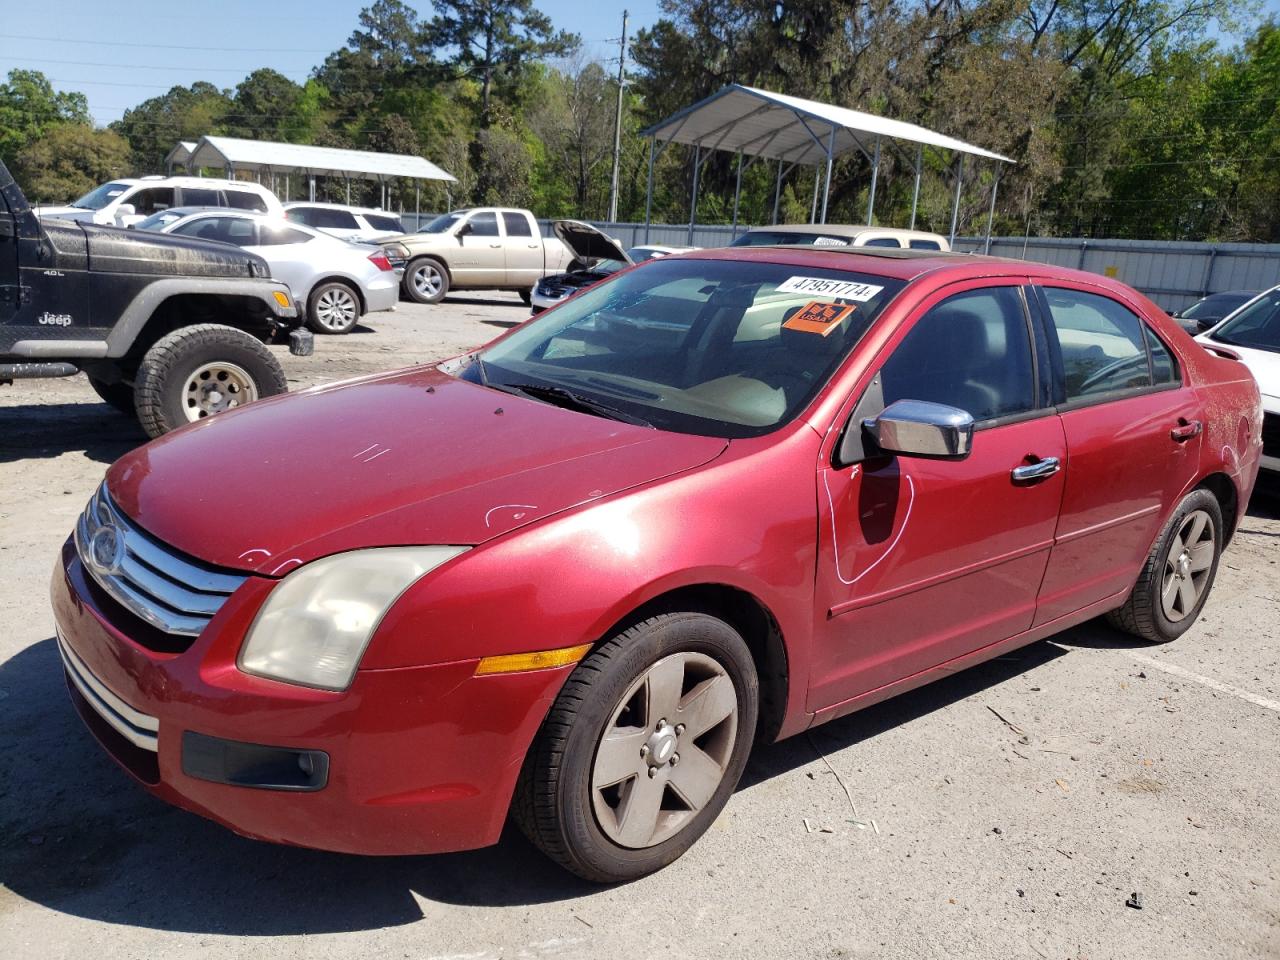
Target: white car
841,235
595,256
350,223
333,281
1252,333
123,203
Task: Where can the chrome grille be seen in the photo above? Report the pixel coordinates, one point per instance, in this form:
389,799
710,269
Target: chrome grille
173,593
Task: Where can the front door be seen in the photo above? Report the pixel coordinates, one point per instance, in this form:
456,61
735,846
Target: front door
8,263
481,260
922,561
1133,436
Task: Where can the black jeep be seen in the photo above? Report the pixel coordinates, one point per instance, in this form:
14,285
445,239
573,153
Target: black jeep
169,328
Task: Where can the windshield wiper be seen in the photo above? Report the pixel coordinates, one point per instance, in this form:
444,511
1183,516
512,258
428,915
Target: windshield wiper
561,397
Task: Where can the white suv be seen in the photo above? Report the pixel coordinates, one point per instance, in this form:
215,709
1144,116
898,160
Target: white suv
350,223
123,203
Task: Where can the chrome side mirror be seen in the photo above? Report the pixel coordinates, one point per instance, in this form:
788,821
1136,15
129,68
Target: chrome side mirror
917,428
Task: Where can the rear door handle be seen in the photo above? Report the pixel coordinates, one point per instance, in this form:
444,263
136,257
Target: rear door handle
1046,467
1186,430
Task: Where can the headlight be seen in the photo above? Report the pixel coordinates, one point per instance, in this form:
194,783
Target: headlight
397,251
315,625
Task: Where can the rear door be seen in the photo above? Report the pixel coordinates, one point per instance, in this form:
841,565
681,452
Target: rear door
1133,443
922,561
523,246
293,255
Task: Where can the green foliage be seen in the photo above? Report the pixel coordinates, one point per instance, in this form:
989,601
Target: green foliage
68,161
30,108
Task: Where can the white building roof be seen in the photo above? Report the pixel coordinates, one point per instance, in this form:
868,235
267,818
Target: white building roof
776,126
181,153
225,152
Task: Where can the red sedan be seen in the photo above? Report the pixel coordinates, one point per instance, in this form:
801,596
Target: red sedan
573,576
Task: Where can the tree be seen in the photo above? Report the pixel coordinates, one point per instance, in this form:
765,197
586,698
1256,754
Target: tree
491,40
263,104
184,113
69,160
574,121
30,108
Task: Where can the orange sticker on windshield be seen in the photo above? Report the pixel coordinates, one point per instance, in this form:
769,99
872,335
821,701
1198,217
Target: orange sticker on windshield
820,318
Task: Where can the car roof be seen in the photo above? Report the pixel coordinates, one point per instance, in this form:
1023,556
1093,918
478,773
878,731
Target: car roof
840,229
377,211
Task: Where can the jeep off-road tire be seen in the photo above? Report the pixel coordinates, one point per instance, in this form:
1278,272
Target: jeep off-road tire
425,280
1176,579
642,748
201,370
118,394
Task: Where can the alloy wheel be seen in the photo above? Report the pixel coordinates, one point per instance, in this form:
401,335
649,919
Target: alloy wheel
1187,565
336,309
664,753
427,280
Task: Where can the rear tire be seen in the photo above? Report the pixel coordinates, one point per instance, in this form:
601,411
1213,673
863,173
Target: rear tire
333,308
1178,575
425,280
642,748
118,394
202,370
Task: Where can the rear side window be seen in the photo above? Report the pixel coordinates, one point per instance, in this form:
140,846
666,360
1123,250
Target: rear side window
971,351
517,225
1103,345
274,235
384,222
883,242
246,200
925,245
484,224
199,198
235,230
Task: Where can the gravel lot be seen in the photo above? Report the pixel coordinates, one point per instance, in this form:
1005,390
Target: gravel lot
1010,810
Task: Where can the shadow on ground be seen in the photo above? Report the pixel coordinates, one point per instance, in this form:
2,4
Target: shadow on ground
77,836
40,431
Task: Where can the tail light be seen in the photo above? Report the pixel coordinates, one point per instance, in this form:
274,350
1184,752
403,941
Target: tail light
380,261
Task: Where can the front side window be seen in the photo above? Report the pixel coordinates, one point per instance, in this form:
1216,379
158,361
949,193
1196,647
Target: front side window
1103,344
305,215
484,224
711,347
323,218
517,225
971,351
925,245
443,223
384,222
151,200
1256,325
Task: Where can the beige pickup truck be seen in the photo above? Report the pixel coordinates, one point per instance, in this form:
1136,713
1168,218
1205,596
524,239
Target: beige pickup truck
481,248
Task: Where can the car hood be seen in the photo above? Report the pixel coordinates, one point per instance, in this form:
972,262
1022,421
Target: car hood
411,457
117,250
588,244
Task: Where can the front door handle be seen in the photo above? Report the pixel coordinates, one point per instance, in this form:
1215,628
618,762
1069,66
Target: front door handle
1186,430
494,246
1028,472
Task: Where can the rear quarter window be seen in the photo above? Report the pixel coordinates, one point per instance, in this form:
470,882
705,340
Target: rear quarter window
246,200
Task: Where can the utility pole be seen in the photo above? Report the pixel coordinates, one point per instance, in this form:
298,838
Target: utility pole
617,123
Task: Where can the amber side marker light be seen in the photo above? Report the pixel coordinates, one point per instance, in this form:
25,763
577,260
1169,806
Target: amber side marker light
540,660
281,298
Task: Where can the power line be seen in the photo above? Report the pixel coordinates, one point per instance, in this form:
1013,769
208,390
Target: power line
138,66
161,46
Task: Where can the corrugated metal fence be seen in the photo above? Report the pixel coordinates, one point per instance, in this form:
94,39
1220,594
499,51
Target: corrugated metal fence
1172,273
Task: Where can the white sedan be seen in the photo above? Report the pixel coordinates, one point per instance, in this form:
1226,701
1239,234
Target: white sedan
334,281
1253,334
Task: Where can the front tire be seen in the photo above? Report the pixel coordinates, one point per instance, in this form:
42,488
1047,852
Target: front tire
333,308
199,371
1179,573
642,748
425,281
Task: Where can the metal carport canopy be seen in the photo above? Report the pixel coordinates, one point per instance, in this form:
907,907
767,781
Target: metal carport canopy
231,153
762,124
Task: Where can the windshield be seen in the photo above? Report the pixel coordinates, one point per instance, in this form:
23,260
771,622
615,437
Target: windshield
789,238
713,347
158,221
1218,305
443,223
1255,325
100,197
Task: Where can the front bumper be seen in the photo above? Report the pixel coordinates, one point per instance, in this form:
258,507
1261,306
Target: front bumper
540,301
419,759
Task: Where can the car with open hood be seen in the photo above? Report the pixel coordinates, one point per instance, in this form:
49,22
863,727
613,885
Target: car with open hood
571,577
596,256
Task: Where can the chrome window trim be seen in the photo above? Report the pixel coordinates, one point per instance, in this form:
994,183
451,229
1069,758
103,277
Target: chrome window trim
140,729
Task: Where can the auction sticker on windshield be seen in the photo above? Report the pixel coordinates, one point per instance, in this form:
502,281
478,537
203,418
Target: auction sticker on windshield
836,289
819,317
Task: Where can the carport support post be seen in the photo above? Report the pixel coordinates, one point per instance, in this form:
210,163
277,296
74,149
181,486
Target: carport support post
875,175
813,208
311,188
955,206
693,207
826,189
737,192
777,192
991,213
915,193
648,193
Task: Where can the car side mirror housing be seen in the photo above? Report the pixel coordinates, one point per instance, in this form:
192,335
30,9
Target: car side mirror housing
126,210
463,230
918,428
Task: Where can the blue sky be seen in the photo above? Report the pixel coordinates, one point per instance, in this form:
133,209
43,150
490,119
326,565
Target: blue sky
119,55
141,49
